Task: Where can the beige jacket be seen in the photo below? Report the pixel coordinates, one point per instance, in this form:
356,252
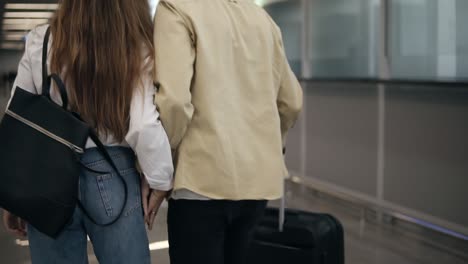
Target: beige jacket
226,96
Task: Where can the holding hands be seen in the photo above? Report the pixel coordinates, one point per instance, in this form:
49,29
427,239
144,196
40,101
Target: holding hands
152,200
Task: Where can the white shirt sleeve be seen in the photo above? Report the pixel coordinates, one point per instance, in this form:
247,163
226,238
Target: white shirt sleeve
147,137
24,76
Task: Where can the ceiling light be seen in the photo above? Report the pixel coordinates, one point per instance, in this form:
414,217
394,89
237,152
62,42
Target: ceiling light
18,21
31,6
28,14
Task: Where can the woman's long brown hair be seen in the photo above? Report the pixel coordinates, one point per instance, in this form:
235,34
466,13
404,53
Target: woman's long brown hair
100,47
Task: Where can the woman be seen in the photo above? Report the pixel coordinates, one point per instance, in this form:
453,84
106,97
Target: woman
103,51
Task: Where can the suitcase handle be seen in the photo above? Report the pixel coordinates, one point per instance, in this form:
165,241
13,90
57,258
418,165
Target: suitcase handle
282,210
282,214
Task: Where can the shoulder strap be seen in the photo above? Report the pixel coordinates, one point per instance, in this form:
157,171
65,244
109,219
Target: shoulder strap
61,88
46,78
44,60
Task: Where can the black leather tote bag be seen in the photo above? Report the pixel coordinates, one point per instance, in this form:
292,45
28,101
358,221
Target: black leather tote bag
40,147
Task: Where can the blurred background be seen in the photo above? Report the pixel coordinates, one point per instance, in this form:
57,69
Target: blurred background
383,141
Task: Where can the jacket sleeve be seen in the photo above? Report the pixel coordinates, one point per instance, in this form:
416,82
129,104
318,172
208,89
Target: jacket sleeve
289,100
174,69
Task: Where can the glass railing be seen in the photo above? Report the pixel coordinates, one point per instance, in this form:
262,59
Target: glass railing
398,145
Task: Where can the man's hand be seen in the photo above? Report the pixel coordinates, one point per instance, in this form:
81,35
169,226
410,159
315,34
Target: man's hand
14,224
155,200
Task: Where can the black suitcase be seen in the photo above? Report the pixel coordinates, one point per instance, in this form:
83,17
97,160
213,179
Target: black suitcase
307,238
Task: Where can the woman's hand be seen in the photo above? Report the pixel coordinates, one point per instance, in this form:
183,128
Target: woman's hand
14,224
155,200
145,193
152,200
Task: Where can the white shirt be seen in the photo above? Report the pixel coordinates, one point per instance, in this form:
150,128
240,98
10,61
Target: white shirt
146,135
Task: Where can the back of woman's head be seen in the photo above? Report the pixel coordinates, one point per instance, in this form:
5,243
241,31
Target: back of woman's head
99,47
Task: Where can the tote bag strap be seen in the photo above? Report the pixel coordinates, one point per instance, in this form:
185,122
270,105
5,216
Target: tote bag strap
61,87
102,149
45,46
46,79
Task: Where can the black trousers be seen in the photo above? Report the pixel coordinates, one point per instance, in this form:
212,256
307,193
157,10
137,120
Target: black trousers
211,232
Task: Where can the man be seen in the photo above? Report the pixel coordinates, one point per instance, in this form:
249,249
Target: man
227,98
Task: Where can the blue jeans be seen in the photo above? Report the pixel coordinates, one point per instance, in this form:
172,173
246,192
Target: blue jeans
102,195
